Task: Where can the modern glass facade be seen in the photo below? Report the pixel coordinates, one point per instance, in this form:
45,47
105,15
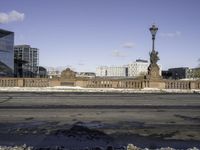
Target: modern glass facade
6,53
27,61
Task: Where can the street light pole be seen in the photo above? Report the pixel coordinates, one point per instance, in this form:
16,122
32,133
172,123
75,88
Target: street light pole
153,69
153,31
153,41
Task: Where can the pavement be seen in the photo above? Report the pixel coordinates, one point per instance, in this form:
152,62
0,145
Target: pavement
144,119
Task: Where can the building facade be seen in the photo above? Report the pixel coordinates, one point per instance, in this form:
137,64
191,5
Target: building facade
6,53
101,71
193,73
42,72
86,74
113,71
178,73
182,73
53,72
26,61
137,68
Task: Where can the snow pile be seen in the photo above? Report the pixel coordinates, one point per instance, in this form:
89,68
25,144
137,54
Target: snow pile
90,90
23,147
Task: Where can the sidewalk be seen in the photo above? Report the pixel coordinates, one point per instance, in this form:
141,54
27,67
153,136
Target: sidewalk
101,90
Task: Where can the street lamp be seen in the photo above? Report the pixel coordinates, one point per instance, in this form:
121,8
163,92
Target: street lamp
153,31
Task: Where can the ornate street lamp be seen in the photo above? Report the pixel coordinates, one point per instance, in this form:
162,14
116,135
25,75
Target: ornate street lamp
153,54
153,69
153,31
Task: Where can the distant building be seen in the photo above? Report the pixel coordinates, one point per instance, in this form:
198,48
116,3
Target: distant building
137,68
6,53
178,73
121,71
101,71
113,71
181,73
26,61
53,72
86,74
42,72
193,73
166,74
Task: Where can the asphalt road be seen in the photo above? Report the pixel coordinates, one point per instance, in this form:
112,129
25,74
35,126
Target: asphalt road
164,116
98,99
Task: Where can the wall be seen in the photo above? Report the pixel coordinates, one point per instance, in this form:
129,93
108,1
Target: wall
9,82
100,83
110,83
177,84
24,82
35,82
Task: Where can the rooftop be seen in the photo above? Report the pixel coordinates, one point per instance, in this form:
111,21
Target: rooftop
5,32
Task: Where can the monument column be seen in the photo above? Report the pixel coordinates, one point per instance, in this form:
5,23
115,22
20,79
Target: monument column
154,77
153,69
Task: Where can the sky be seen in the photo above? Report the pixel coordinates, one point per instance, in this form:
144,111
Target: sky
85,34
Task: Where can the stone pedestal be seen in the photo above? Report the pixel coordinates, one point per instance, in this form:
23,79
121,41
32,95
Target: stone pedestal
153,72
20,82
192,85
159,84
68,78
154,78
54,82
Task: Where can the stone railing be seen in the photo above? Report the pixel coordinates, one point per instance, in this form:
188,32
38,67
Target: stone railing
197,84
24,82
137,84
36,82
8,82
177,84
134,84
101,83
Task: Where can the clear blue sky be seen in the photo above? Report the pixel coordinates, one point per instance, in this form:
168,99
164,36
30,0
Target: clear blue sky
87,33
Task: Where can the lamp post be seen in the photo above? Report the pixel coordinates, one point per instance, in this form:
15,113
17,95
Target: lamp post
153,31
153,69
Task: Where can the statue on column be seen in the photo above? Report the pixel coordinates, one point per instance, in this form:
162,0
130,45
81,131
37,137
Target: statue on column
153,69
154,57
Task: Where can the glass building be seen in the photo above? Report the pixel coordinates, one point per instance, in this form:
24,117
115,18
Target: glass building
26,61
6,53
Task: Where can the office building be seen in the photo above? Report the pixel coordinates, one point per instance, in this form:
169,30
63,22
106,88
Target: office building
101,71
178,73
113,71
193,73
42,72
181,73
86,74
26,61
137,68
54,72
6,53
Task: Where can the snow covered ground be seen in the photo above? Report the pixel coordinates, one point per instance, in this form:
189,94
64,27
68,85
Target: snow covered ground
80,89
129,147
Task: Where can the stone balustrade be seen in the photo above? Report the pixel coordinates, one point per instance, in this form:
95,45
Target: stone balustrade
134,84
24,82
36,82
8,82
101,83
197,84
177,84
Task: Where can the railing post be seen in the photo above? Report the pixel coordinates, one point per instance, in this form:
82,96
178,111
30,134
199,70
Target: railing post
192,85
